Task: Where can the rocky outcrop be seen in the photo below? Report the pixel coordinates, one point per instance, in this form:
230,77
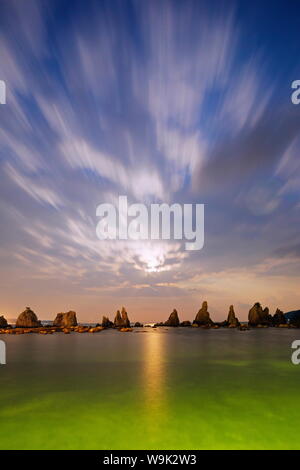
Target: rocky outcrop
138,324
185,323
65,320
255,314
232,320
173,319
28,319
267,319
203,317
106,323
121,319
259,316
3,322
125,319
118,320
279,318
95,329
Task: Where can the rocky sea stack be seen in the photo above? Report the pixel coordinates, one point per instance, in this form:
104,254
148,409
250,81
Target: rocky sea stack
106,323
203,317
28,319
279,318
3,322
65,320
232,320
260,317
121,319
173,319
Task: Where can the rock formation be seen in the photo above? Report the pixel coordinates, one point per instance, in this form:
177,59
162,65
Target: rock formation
125,319
185,323
259,316
267,319
27,319
173,319
202,317
138,324
232,320
121,319
255,314
106,323
65,320
118,320
3,322
279,318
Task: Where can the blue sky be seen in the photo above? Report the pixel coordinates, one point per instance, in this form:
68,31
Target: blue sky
162,101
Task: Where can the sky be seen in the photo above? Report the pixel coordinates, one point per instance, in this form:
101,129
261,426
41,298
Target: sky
161,101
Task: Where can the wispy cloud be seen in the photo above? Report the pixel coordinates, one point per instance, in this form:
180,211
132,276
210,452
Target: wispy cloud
161,101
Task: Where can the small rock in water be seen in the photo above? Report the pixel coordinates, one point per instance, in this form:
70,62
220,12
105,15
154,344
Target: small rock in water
185,323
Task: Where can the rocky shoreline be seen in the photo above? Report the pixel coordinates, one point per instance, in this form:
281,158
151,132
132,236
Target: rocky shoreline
258,317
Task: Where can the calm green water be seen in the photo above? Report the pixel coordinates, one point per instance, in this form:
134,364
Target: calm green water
151,389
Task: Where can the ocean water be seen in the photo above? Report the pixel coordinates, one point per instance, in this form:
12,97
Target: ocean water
158,388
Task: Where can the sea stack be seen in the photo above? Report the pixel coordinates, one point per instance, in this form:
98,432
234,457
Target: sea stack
259,316
65,320
255,314
3,322
118,320
232,320
121,319
173,319
28,319
125,319
267,319
106,323
279,318
203,317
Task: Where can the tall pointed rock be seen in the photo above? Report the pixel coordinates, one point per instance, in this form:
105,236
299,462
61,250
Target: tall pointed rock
232,320
125,319
173,319
203,317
